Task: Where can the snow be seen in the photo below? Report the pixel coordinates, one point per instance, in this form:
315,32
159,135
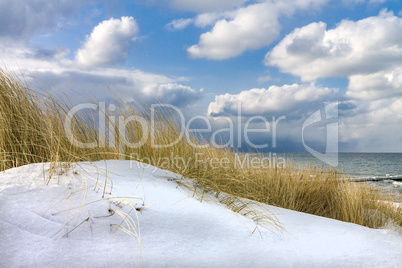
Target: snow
170,229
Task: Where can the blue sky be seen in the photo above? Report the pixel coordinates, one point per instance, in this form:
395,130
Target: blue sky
276,58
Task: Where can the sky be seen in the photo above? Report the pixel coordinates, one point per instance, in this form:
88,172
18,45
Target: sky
276,62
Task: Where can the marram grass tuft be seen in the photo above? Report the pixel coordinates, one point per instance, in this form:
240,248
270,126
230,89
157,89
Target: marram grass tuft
32,130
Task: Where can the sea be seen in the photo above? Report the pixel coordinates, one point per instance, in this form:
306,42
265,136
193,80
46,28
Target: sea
379,170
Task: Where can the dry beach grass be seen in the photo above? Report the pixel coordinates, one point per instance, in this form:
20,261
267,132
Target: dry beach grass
32,130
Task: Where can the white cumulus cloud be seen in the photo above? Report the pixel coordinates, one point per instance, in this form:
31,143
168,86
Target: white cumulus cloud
245,28
373,126
367,46
109,42
273,99
173,93
376,85
208,19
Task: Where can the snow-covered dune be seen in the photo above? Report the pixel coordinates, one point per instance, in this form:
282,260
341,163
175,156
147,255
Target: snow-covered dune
166,226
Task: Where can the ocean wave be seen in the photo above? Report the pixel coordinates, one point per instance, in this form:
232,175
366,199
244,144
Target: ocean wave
397,184
378,178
